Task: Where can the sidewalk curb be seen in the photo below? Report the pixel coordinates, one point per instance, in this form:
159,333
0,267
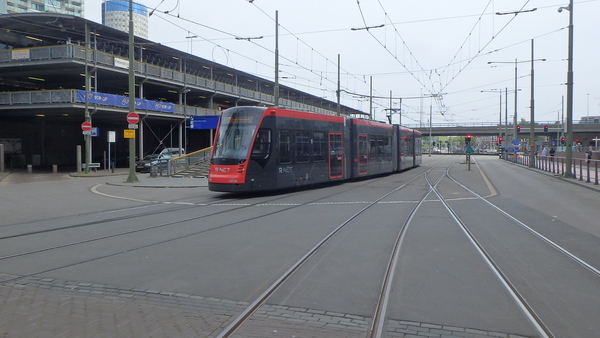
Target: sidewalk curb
135,185
574,181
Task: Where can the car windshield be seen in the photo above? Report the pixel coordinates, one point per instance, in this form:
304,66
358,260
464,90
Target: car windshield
150,157
236,132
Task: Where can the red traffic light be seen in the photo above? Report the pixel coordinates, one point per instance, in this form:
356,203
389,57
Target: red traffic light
518,129
545,129
500,139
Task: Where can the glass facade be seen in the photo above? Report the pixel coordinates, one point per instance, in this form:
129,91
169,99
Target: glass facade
115,14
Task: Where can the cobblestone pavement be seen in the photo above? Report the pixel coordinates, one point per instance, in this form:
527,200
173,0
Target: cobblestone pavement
44,307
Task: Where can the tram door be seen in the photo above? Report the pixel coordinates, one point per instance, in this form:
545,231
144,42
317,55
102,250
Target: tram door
336,155
363,154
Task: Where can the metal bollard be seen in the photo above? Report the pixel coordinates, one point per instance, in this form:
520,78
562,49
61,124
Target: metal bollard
29,168
153,171
54,168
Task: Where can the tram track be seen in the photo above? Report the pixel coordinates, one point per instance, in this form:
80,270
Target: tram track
536,320
541,328
439,187
237,207
377,327
245,315
186,206
564,251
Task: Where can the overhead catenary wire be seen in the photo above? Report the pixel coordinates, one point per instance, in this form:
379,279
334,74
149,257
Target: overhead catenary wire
231,35
480,50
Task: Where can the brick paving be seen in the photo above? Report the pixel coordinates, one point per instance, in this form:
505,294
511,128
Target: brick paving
44,307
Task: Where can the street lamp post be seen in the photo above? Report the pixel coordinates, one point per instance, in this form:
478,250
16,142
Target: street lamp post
532,117
276,87
500,114
132,178
532,130
185,121
569,136
191,37
532,60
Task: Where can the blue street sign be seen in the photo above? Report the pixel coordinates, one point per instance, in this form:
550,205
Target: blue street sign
204,122
515,142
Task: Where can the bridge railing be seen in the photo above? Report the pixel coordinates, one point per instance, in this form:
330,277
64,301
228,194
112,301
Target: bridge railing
540,124
582,168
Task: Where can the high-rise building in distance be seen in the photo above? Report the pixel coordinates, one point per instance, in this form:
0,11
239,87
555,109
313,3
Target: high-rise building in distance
71,7
115,14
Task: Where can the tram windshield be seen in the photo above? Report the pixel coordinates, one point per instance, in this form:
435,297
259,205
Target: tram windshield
236,133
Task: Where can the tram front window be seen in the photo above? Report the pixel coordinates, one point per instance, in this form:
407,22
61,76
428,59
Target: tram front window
236,134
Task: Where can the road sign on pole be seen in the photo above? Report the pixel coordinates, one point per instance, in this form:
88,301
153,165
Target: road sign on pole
86,126
133,118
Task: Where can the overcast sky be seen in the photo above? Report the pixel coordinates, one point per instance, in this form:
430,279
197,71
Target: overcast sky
425,47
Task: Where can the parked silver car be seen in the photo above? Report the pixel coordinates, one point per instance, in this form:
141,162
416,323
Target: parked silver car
160,161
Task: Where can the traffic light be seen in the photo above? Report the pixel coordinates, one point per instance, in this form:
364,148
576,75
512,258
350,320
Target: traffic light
500,139
545,129
562,140
468,139
518,129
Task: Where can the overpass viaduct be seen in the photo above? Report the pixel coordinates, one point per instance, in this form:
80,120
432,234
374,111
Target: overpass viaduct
581,131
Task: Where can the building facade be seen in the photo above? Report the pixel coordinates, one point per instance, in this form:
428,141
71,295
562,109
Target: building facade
115,14
70,7
57,69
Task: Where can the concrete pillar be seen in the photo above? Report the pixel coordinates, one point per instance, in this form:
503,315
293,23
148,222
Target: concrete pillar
1,158
78,161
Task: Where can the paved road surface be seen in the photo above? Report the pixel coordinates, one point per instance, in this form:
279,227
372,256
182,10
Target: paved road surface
153,259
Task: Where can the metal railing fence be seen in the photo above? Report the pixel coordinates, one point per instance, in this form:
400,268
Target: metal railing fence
144,69
581,168
184,162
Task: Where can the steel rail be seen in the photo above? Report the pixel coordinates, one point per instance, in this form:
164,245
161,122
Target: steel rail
535,320
376,330
145,229
537,234
261,299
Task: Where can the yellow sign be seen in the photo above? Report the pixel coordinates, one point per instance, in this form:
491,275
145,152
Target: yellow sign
129,133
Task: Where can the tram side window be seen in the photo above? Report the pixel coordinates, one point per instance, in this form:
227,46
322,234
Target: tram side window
302,146
319,146
387,148
380,145
262,145
285,146
373,146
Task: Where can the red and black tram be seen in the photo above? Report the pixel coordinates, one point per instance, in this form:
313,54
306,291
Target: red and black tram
258,148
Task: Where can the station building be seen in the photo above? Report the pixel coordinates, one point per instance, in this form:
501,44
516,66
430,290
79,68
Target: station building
43,92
